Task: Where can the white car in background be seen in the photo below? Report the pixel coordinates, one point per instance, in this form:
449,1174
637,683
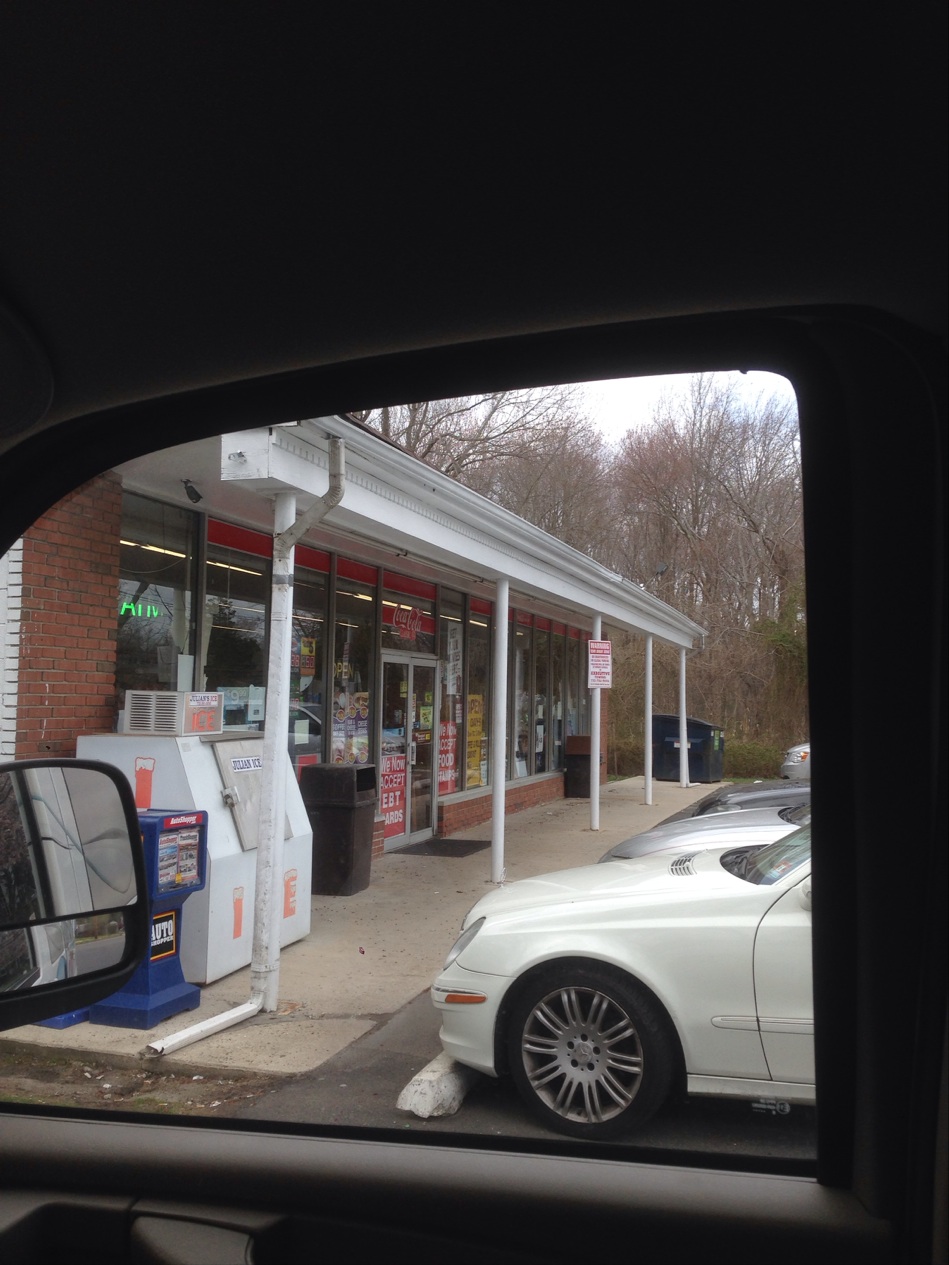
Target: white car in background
797,761
602,989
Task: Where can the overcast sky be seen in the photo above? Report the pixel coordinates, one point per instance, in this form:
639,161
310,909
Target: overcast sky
622,403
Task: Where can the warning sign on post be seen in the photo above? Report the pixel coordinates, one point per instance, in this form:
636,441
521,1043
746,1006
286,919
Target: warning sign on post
601,665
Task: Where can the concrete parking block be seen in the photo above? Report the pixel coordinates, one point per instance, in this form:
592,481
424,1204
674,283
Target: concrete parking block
439,1088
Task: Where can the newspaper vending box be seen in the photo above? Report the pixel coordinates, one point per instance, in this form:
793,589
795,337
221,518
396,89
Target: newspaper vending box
176,863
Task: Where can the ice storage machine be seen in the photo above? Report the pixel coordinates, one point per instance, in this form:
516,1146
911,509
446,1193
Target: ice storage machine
221,775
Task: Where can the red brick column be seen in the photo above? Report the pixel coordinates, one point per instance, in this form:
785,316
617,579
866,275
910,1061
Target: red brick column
69,627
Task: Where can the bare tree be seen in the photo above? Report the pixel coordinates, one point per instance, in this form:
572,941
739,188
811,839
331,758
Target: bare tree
708,516
459,436
560,483
702,507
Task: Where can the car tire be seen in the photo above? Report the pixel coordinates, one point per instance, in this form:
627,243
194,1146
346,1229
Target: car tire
589,1050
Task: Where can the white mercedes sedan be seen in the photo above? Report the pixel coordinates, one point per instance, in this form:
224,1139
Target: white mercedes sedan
603,989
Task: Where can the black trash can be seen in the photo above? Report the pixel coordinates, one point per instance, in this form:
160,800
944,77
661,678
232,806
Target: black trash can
340,801
706,749
576,780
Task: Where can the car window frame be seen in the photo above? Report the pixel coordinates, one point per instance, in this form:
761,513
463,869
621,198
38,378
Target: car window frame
823,353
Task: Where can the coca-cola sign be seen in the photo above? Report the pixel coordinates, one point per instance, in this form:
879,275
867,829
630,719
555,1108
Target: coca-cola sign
408,621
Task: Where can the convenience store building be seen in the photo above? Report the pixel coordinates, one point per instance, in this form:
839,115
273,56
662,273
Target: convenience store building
434,635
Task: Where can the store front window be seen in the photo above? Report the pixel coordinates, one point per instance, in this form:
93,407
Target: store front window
234,634
558,667
523,727
451,702
161,646
478,711
307,658
354,658
156,632
583,692
541,728
572,702
408,615
549,699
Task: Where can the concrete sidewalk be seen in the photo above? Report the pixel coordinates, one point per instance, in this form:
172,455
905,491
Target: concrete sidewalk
369,954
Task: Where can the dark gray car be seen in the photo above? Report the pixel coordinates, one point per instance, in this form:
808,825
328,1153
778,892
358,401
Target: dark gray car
776,793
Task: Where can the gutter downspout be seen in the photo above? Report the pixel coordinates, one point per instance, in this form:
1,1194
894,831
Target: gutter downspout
288,529
265,959
319,509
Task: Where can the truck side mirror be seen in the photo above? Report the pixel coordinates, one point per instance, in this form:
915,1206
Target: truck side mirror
73,900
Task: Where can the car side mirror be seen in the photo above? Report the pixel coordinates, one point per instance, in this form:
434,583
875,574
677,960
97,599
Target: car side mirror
804,894
73,898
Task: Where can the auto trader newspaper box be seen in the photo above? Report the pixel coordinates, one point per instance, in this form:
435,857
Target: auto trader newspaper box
220,774
175,844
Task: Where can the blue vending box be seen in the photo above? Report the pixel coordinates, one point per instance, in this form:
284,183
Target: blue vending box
176,863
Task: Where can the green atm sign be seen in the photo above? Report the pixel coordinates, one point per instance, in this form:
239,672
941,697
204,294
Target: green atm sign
146,610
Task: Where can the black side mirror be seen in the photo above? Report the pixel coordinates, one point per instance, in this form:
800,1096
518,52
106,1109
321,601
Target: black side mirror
73,898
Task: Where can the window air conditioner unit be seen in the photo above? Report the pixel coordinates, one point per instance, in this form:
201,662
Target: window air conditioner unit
172,715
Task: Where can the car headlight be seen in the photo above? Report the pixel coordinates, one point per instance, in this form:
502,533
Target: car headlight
463,941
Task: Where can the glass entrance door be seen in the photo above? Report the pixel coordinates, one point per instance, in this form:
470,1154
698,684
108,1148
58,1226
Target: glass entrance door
421,752
406,781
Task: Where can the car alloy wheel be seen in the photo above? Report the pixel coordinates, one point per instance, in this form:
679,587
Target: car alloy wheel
589,1052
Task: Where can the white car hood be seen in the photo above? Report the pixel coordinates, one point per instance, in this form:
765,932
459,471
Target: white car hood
647,879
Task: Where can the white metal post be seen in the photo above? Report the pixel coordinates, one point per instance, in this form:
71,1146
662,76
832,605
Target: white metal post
498,742
683,725
647,742
268,907
265,959
595,739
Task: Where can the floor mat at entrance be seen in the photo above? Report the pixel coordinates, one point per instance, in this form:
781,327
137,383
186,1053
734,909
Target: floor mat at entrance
446,847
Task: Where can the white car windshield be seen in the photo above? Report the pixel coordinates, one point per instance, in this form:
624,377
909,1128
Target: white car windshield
773,862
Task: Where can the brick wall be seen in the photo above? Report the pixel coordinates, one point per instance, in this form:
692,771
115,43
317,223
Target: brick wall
68,621
11,584
464,813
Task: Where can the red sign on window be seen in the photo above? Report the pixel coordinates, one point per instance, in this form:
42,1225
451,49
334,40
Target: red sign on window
447,757
392,789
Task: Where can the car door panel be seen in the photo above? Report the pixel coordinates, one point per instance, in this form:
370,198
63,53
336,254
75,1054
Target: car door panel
77,1187
783,987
